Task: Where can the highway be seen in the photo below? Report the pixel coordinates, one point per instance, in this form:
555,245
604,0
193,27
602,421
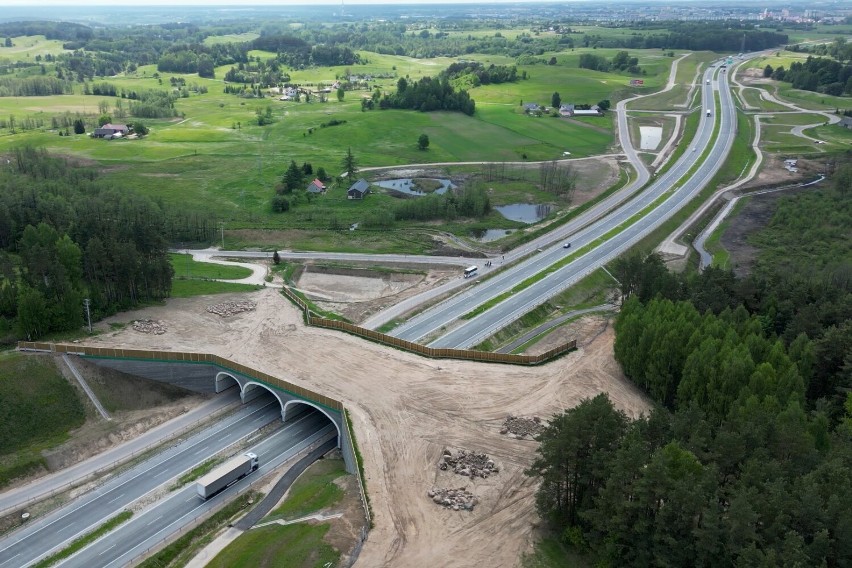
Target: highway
167,516
438,320
62,526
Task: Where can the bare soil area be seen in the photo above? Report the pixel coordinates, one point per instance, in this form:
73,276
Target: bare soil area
358,294
584,330
750,219
406,409
773,172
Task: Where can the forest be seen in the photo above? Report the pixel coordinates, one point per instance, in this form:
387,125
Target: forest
746,457
428,94
818,74
66,234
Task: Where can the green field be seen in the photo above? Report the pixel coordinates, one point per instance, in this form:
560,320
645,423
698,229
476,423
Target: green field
189,288
187,268
38,407
298,545
753,97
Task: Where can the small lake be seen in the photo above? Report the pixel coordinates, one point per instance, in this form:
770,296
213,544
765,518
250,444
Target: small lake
408,186
488,235
524,212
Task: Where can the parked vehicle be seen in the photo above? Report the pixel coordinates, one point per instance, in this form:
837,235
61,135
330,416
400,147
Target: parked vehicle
226,474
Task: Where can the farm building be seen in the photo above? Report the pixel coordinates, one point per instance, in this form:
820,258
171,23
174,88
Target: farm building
316,186
111,131
358,189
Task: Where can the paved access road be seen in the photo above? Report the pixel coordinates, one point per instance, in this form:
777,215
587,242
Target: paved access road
26,545
436,321
148,528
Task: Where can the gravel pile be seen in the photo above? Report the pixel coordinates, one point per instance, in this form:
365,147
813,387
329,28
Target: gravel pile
226,309
456,499
469,464
149,326
522,426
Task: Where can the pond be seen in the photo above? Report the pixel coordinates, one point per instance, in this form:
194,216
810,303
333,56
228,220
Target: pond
524,212
488,235
409,186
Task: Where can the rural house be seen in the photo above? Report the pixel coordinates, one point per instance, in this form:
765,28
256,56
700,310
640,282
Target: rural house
316,186
572,110
532,107
111,131
358,189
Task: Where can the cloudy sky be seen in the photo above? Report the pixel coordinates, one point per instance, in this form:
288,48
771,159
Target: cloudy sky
117,3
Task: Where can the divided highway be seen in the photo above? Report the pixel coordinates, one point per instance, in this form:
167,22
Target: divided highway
57,529
438,320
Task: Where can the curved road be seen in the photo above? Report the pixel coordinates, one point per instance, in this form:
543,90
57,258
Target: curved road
689,171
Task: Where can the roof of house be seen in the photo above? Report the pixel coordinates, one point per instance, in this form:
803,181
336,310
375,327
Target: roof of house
316,186
361,186
109,126
531,106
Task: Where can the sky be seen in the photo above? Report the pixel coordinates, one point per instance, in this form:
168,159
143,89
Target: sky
235,3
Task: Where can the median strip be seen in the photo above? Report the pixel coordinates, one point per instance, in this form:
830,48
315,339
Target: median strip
482,308
84,541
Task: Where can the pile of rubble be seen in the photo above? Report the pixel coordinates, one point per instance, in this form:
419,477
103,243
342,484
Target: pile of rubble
456,499
226,309
469,464
149,326
522,426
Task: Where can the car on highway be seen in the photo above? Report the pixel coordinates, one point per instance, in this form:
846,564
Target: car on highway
566,246
708,81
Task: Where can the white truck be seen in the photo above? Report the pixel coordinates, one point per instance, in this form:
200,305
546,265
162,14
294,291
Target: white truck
226,474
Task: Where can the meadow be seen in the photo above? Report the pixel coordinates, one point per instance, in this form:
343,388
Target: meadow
214,156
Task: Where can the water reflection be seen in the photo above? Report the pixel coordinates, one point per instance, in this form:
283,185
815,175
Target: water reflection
409,185
488,235
524,212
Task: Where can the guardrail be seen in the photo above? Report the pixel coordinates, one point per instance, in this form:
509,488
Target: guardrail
436,353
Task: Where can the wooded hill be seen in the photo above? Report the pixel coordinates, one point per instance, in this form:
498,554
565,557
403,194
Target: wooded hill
66,235
746,459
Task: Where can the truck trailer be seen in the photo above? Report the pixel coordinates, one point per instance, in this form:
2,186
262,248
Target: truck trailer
225,475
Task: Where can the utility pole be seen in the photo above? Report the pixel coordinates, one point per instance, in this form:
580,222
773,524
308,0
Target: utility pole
87,303
222,225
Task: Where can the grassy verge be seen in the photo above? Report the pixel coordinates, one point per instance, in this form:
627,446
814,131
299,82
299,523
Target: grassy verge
314,491
85,540
316,309
189,288
721,256
358,458
40,407
187,268
203,468
590,291
300,545
181,550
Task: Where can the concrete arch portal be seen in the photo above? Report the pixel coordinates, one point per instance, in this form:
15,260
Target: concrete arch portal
292,403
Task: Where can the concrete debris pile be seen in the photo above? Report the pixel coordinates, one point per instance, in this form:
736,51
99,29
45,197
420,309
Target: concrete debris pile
469,464
456,499
149,326
226,309
522,426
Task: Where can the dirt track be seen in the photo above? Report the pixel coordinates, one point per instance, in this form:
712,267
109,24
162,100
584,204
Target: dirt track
405,410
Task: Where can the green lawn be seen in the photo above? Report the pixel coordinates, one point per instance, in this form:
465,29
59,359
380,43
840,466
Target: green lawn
189,288
314,491
187,268
299,545
292,546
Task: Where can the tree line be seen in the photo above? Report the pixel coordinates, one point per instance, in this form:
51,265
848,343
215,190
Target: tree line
746,455
428,94
818,74
66,235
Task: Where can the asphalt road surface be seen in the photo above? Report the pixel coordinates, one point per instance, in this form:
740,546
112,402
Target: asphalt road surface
34,540
148,529
436,321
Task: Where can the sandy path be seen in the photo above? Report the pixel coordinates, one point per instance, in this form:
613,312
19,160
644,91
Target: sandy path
405,410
